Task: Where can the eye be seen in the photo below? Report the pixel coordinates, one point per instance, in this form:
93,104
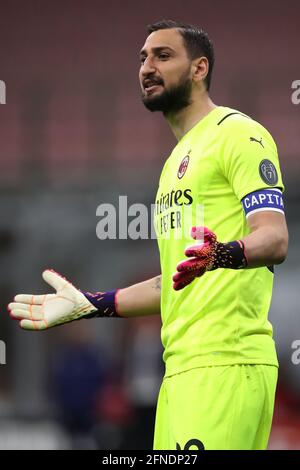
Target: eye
164,56
142,59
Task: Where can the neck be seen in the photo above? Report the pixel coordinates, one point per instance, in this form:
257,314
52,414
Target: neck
185,119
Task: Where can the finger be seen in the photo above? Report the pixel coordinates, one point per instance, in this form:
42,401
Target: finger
15,305
182,285
19,314
30,298
204,250
179,277
204,234
27,299
194,250
20,306
54,279
197,233
27,314
186,265
33,325
10,313
192,264
182,281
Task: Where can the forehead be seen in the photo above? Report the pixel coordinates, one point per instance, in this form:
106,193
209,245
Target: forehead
164,38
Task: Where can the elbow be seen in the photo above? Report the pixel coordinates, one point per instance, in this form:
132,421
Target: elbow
281,250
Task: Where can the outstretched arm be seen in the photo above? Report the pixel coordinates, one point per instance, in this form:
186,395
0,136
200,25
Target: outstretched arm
140,299
39,312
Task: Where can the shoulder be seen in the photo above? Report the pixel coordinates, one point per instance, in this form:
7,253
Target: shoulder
238,126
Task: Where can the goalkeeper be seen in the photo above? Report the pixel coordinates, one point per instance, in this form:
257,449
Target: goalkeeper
221,365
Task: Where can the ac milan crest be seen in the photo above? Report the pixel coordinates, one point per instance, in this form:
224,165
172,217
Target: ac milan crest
183,166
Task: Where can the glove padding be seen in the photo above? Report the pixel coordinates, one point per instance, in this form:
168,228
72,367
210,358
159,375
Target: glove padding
201,258
39,312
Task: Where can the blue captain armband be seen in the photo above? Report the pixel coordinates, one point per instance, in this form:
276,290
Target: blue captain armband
263,200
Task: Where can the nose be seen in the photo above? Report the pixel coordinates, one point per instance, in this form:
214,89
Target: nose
147,67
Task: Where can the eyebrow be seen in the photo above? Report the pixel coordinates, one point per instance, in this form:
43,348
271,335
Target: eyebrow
156,50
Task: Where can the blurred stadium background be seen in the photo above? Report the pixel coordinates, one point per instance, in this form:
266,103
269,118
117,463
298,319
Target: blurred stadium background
74,134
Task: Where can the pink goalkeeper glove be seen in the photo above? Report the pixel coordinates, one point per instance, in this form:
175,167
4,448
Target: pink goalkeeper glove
208,256
200,258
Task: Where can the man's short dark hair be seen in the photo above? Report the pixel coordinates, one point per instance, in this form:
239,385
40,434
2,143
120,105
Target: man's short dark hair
196,41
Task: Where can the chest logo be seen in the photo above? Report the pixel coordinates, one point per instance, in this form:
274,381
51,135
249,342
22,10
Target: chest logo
183,166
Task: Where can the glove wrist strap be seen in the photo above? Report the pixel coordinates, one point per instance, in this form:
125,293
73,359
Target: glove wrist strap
105,303
230,255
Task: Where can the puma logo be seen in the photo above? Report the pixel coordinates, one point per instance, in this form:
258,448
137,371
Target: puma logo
253,139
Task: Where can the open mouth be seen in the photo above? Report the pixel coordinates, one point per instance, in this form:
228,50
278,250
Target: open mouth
150,85
151,89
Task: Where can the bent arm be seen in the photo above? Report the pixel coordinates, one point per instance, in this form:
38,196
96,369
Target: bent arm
140,299
267,244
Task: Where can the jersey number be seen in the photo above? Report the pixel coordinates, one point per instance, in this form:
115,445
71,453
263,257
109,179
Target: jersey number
190,443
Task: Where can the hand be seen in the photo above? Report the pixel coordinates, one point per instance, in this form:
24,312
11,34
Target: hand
39,312
201,258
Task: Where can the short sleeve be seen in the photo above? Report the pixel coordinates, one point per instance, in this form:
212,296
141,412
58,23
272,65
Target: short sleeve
249,158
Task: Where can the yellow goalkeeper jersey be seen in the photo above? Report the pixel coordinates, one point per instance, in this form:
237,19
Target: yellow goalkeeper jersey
222,317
